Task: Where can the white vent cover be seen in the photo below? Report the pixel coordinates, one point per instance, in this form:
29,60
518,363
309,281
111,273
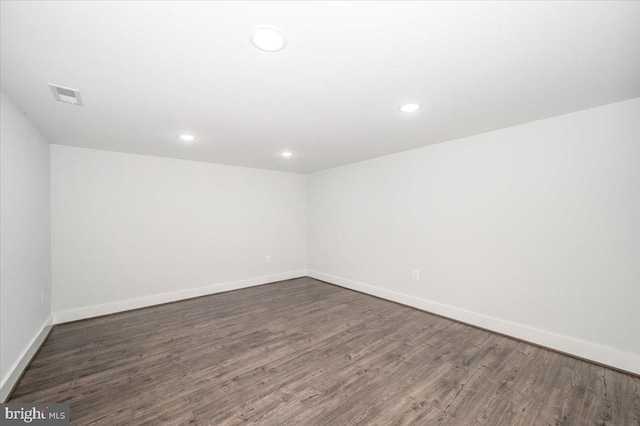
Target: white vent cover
65,94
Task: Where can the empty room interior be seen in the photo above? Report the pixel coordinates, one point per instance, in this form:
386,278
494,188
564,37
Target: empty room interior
320,213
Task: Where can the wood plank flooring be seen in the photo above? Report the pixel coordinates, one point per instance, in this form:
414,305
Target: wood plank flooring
306,352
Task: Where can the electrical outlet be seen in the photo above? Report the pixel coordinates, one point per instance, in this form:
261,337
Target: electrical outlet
267,259
415,274
41,296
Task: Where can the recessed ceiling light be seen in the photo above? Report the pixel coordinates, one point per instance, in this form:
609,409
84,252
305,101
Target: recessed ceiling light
286,154
268,38
188,138
409,107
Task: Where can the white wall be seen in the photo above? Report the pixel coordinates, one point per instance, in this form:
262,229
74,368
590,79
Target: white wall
132,230
532,230
25,242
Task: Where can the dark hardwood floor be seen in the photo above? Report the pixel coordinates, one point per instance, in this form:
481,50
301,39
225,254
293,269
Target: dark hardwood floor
306,352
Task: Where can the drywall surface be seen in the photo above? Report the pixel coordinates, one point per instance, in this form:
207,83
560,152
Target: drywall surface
532,230
25,239
131,227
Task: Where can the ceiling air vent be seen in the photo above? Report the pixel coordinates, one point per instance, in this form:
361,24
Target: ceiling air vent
65,94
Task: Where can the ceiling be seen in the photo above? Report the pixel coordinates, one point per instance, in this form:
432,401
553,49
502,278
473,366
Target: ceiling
150,71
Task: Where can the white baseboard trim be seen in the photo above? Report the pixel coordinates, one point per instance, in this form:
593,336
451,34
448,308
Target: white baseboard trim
16,370
579,348
157,299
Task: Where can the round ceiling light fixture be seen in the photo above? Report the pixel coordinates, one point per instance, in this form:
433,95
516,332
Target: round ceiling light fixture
286,154
409,107
187,138
268,38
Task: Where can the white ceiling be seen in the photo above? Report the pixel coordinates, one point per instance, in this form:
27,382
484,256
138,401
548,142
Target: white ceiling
149,71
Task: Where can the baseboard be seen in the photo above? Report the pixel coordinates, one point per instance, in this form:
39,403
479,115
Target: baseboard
19,367
157,299
581,349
